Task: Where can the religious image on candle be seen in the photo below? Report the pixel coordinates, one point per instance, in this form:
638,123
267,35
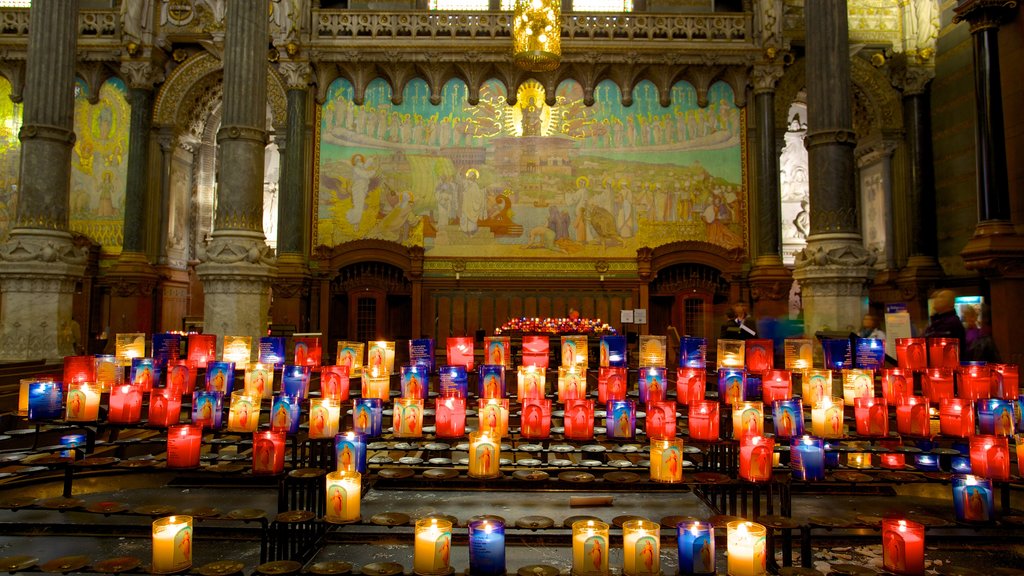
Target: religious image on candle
344,489
652,385
432,548
172,544
667,460
589,548
696,543
746,548
903,546
641,544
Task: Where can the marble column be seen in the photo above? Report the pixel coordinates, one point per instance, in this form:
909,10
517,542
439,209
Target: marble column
834,267
40,263
770,280
237,266
996,249
291,288
132,279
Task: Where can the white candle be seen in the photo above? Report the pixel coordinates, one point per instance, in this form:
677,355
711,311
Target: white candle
172,544
483,455
641,547
343,491
432,548
590,548
746,541
827,418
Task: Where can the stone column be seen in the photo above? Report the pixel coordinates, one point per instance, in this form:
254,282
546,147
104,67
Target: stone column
132,279
237,265
39,263
770,280
996,249
291,289
834,267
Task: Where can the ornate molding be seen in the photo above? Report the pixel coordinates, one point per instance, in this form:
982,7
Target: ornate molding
37,246
236,250
825,137
33,283
143,75
296,75
765,76
984,14
843,258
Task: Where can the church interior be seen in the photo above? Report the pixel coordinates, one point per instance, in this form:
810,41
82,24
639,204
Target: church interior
580,287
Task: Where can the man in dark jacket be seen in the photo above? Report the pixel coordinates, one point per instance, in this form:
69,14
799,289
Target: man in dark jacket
738,325
944,322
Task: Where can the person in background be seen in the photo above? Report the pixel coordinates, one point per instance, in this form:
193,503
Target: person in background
944,322
738,325
971,326
869,328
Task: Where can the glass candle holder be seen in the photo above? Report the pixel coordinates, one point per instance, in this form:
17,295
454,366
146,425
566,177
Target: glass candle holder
496,350
611,384
652,350
776,385
747,419
893,461
641,546
937,384
181,375
756,458
858,460
990,457
911,353
184,442
816,386
376,386
731,385
207,408
973,499
926,462
344,489
690,385
460,351
693,352
995,416
164,407
759,355
351,354
572,383
837,352
652,385
335,382
1005,381
872,416
612,351
143,374
432,548
243,412
731,353
897,385
220,377
492,414
857,383
827,418
79,369
128,346
295,381
799,354
45,400
237,350
788,417
956,417
308,352
202,348
454,381
667,460
807,458
943,353
487,547
912,417
696,543
413,381
284,414
702,419
492,381
746,546
450,417
536,419
579,419
350,452
367,416
108,371
484,455
660,423
268,448
172,544
408,417
870,353
589,548
1018,441
324,417
620,420
903,546
83,403
530,383
974,382
125,405
271,351
380,355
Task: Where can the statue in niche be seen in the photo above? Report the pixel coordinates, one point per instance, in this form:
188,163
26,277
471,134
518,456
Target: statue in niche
135,17
922,27
286,18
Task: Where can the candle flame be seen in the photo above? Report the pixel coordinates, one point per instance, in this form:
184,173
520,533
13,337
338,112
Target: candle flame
694,529
903,525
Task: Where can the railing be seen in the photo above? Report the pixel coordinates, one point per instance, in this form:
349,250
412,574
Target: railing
98,24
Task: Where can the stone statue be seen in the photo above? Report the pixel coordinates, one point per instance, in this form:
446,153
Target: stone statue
135,17
922,26
286,19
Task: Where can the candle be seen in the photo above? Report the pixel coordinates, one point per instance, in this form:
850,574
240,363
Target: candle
380,354
450,417
730,353
125,405
661,420
702,419
872,416
776,385
181,375
350,452
589,548
172,544
83,402
308,352
838,353
747,419
611,384
413,381
903,546
912,418
408,417
237,350
460,351
432,548
1019,443
128,346
184,442
220,377
324,417
799,353
975,382
1005,381
491,382
870,353
807,458
202,348
493,415
295,381
108,371
343,492
207,408
375,384
641,545
351,354
164,407
696,543
926,462
530,383
612,351
143,374
746,548
259,380
911,353
816,386
973,499
536,418
896,386
487,548
759,355
652,385
693,352
788,417
652,351
579,419
690,385
271,351
943,352
284,414
572,384
827,418
367,416
71,441
79,369
995,416
937,384
990,457
667,460
620,419
857,383
268,449
956,417
893,461
243,412
496,350
756,458
484,454
858,460
731,383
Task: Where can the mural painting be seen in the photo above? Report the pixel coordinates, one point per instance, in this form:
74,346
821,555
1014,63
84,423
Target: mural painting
10,156
531,180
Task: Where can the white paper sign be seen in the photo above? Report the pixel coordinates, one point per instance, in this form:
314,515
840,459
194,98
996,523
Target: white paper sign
640,315
626,316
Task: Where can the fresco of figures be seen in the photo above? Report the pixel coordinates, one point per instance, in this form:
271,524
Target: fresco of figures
529,180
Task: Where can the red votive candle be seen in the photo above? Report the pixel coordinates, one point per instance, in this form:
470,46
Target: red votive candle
956,417
661,420
702,419
450,417
912,418
937,384
183,444
872,416
690,385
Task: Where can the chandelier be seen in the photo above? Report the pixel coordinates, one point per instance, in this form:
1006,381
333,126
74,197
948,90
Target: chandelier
537,34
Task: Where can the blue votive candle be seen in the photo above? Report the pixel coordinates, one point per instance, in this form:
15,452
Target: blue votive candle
284,414
367,414
486,548
696,541
44,400
807,458
621,419
350,449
